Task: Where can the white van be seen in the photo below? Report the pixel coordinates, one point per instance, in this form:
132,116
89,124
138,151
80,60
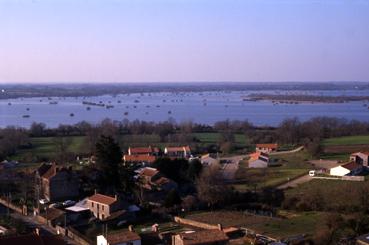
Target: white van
312,173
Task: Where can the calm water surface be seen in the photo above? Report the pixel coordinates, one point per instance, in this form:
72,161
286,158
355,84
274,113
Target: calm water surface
206,107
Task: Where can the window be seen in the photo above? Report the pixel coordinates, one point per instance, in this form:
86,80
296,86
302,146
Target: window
92,204
102,207
102,216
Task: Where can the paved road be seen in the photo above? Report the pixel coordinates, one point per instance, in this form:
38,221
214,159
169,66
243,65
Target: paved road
295,182
286,152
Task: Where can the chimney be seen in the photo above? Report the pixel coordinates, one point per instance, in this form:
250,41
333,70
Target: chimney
220,227
130,228
95,191
116,197
37,231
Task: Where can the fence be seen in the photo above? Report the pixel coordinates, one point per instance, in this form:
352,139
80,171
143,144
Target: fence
195,223
9,204
347,178
78,237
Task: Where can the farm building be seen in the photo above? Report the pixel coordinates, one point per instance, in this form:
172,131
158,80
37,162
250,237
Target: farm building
360,158
351,168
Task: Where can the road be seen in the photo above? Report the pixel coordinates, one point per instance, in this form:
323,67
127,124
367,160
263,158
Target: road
295,182
286,152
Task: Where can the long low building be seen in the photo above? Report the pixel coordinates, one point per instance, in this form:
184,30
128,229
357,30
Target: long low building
350,168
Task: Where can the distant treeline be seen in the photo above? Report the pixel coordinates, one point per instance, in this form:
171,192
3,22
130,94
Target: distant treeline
285,98
290,131
77,90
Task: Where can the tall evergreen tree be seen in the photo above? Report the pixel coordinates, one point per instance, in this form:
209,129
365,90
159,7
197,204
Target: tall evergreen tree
108,161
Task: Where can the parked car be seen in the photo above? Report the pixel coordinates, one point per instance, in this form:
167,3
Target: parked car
312,173
56,205
44,201
68,203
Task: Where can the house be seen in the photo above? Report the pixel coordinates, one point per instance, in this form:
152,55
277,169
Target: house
178,152
56,183
152,179
266,148
103,206
351,168
202,237
139,159
209,159
119,238
360,158
149,151
258,160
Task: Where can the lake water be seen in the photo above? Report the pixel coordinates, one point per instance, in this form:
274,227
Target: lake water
206,107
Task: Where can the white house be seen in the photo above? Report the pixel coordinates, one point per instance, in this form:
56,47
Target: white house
120,238
345,169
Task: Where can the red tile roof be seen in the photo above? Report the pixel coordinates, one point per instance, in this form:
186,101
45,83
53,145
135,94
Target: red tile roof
122,237
271,146
140,150
178,149
100,198
149,172
203,237
139,158
351,165
256,155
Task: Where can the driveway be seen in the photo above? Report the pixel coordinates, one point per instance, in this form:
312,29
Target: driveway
295,182
231,165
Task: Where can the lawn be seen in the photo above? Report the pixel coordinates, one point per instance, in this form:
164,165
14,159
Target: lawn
289,166
298,223
307,223
347,140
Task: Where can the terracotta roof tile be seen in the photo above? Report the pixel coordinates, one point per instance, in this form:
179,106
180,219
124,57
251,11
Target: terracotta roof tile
100,198
139,158
140,150
178,149
351,165
149,172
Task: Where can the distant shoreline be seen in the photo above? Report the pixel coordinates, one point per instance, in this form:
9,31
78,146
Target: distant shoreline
9,91
300,98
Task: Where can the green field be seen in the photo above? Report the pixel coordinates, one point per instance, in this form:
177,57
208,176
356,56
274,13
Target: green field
347,140
45,148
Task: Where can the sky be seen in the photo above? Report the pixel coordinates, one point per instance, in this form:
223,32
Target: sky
183,40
